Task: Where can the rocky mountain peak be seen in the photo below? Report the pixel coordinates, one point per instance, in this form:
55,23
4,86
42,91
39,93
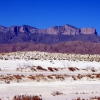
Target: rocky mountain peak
70,26
21,29
3,29
71,30
14,29
88,31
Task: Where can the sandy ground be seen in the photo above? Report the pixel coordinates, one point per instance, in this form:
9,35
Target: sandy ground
12,64
71,89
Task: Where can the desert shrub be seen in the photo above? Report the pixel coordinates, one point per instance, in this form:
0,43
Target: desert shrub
59,77
97,75
55,69
93,69
7,81
51,69
33,69
79,76
74,78
17,76
50,77
25,97
6,59
57,93
95,98
88,75
31,77
78,98
72,68
41,68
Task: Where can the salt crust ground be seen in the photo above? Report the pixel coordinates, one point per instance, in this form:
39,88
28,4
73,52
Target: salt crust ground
12,64
70,89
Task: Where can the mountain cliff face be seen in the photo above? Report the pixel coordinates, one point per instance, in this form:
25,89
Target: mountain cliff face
70,30
56,30
25,33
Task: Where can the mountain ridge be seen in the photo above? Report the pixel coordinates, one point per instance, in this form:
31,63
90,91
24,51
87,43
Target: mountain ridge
55,34
65,29
60,39
72,47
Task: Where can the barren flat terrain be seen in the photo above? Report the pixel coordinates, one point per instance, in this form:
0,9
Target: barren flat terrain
49,76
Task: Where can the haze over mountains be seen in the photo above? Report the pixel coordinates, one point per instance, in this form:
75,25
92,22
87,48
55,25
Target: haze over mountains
65,38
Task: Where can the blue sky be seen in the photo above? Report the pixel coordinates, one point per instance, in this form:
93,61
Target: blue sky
47,13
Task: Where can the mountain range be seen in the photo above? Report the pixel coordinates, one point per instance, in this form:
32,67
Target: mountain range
56,34
27,38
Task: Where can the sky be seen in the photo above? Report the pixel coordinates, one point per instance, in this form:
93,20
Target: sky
47,13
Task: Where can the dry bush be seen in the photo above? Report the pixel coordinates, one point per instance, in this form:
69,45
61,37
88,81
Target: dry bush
41,68
31,77
37,77
57,93
79,98
40,76
33,69
59,77
97,75
18,76
95,98
50,77
10,77
79,76
7,81
73,68
25,97
90,76
55,69
74,78
51,69
93,69
22,76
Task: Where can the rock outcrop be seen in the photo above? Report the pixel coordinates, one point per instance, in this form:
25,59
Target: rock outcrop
4,29
64,30
70,30
88,31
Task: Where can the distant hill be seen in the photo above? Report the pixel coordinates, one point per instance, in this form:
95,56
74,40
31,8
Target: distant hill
66,39
77,47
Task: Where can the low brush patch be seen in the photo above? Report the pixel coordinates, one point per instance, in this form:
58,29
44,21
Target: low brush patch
25,97
57,93
73,68
95,98
50,69
41,68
